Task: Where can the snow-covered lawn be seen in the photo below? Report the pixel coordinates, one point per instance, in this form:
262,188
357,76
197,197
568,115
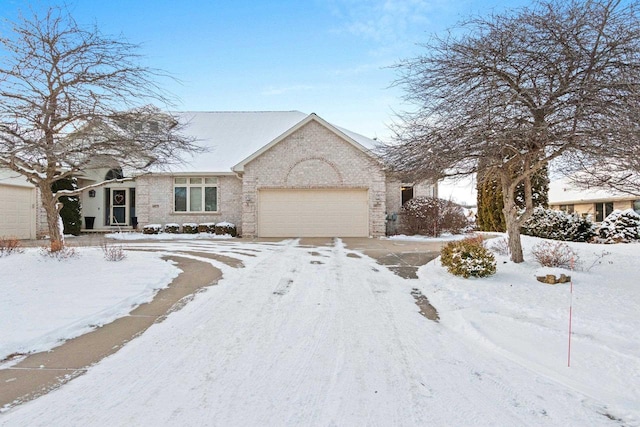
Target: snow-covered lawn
326,336
46,301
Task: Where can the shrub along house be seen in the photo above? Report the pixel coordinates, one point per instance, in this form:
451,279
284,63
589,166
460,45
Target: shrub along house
272,174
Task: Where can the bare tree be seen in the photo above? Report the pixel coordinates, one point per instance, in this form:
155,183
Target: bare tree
620,173
516,91
71,97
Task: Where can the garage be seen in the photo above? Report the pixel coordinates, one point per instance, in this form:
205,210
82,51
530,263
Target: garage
313,213
17,212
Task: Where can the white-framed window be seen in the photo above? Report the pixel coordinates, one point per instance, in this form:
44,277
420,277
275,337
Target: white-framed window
195,194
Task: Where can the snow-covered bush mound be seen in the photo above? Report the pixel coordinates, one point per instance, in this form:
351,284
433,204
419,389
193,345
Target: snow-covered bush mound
468,258
558,225
152,229
620,227
226,228
172,228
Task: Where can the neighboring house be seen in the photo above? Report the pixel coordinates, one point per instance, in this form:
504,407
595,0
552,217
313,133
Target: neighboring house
597,203
273,174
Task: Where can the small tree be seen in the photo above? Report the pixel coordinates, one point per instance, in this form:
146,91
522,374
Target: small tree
490,216
518,90
71,97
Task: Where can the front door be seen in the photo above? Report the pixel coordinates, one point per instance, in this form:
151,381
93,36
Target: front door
119,207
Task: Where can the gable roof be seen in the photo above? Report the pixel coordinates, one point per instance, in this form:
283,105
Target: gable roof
348,136
235,137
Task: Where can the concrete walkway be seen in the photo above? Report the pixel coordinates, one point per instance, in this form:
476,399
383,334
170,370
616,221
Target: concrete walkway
403,257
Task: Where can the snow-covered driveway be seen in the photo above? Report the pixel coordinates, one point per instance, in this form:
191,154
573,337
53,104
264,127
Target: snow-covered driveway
304,336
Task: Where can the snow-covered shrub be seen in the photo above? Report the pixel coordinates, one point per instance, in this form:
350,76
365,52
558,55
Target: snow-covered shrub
468,258
172,228
619,227
9,245
207,227
555,254
113,253
190,228
499,246
151,229
558,225
431,216
226,228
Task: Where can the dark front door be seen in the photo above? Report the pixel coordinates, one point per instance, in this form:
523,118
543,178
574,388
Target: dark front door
119,203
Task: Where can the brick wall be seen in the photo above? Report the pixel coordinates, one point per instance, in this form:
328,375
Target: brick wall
314,157
42,226
154,202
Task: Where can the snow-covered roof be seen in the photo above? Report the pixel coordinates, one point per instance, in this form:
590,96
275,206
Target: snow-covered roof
563,191
231,137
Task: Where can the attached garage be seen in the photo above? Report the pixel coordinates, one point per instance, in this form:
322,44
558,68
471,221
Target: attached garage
313,213
17,212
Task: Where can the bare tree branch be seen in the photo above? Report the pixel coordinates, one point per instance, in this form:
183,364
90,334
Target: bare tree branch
515,91
70,95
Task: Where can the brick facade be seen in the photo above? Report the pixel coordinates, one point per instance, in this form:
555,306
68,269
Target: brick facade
314,157
154,201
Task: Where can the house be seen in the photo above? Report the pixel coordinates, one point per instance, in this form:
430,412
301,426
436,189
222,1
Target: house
597,203
273,174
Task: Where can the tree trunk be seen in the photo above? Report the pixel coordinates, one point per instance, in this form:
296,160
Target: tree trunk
513,234
52,209
512,221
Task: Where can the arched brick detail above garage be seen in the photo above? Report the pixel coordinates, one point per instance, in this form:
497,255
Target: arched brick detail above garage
314,172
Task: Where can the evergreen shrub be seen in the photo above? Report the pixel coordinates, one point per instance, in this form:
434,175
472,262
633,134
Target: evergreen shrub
558,225
468,258
71,210
207,227
172,228
226,228
190,228
151,229
619,227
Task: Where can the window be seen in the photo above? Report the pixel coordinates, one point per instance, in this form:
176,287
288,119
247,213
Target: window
603,210
114,174
636,206
195,194
567,208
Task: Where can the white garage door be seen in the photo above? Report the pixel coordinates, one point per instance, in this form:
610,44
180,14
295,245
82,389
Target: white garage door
313,213
17,212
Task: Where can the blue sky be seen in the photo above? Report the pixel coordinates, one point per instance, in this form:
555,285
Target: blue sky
330,57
